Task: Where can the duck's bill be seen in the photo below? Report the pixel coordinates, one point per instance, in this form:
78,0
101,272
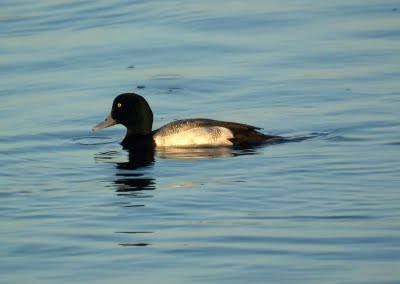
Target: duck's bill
109,121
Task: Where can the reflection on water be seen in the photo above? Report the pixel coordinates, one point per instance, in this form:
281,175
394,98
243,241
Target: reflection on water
202,152
136,159
130,179
129,182
133,182
139,159
134,244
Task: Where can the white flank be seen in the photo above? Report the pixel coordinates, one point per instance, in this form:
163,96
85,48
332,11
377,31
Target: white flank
200,136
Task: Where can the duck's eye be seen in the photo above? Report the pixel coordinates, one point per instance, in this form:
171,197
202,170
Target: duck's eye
119,105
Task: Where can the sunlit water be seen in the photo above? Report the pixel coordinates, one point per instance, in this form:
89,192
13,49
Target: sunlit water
76,208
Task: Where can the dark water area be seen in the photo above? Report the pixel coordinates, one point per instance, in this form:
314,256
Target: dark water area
323,207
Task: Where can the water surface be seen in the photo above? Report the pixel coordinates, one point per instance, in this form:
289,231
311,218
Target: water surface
76,207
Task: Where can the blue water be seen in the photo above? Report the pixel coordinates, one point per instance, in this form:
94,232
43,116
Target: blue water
77,208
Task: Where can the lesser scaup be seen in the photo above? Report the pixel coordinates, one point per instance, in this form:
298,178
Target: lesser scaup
133,111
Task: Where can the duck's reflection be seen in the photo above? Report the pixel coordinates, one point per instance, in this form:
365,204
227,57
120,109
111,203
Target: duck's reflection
194,153
133,180
137,159
132,169
130,183
130,177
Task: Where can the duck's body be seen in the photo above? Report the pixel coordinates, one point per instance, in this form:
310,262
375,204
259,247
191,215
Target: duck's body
134,112
207,132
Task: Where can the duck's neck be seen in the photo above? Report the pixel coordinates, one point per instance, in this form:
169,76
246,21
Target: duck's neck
137,132
134,139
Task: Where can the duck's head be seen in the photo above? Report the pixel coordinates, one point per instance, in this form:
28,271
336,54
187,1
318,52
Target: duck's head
132,111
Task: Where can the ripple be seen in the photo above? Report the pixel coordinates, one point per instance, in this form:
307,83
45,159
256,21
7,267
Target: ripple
134,245
134,232
92,140
393,143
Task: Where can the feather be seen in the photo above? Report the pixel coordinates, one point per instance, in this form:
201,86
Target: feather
207,132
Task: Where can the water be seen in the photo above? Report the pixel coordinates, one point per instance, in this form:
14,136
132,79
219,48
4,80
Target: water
75,207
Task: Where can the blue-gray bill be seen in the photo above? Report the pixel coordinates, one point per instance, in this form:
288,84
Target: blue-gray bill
109,121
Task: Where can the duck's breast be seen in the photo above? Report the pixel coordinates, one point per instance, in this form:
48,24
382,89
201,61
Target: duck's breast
196,136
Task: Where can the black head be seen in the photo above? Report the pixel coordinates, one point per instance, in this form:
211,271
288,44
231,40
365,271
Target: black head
132,111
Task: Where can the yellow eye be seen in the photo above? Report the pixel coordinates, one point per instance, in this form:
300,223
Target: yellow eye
119,105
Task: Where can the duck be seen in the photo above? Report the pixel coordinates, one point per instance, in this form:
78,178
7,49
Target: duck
134,112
